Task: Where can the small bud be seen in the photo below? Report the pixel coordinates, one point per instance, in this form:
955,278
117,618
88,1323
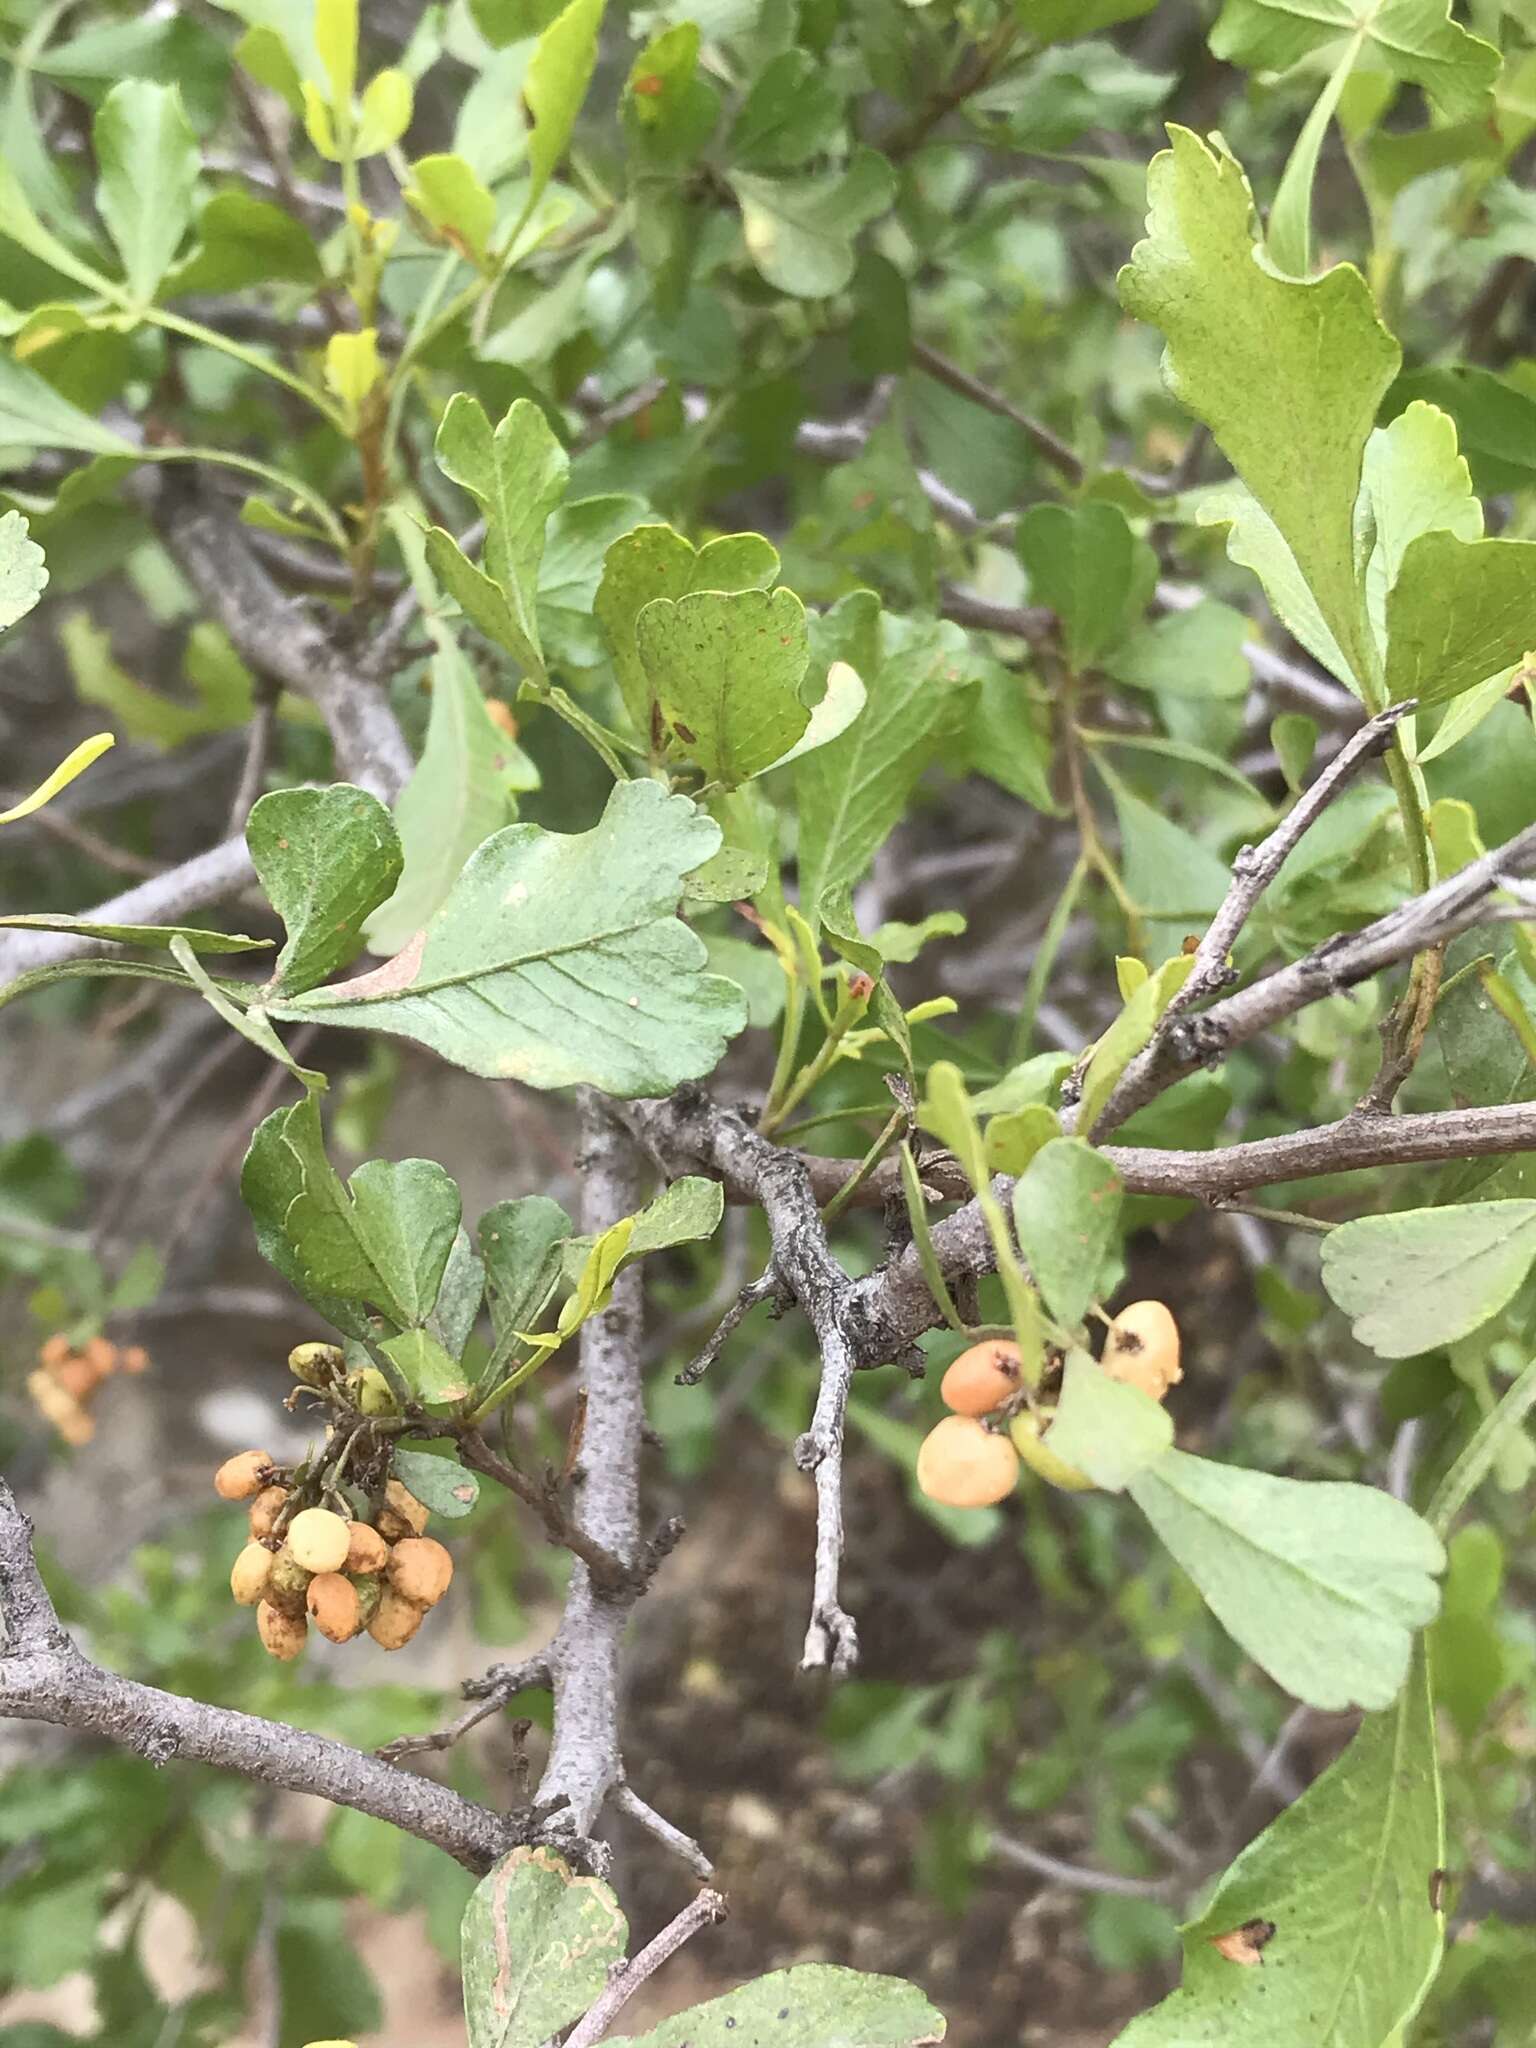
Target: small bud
287,1583
333,1607
366,1549
395,1620
243,1476
319,1540
420,1570
251,1575
315,1364
265,1509
283,1635
54,1350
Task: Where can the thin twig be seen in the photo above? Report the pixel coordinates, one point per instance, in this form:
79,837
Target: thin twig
764,1288
1078,1877
628,1801
509,1681
704,1911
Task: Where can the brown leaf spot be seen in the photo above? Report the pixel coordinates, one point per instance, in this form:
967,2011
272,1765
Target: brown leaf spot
1245,1944
392,978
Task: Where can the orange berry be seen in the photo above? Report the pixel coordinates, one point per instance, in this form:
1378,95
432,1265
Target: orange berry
333,1607
395,1620
100,1354
982,1378
962,1465
59,1408
77,1378
420,1569
283,1635
265,1509
1142,1348
366,1549
243,1476
251,1575
319,1540
134,1358
54,1350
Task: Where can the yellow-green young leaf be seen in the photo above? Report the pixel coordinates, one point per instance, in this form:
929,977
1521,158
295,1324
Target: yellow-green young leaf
1126,1037
74,763
1460,611
538,1943
1413,39
1416,481
1130,973
446,192
149,160
1013,1139
555,86
946,1112
318,125
1453,834
1110,1431
557,958
1321,1582
336,43
385,113
1246,347
1343,1879
726,668
652,562
23,573
1059,21
352,367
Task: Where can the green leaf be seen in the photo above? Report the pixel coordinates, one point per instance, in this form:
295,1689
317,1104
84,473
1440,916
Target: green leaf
556,959
1289,240
1058,21
427,1366
726,668
576,544
1321,1582
812,2005
800,232
440,1484
538,1944
242,240
1412,39
460,793
326,858
192,936
249,1020
947,1112
384,1238
1087,565
1246,347
1066,1208
653,562
792,112
684,1213
271,1180
1460,611
33,415
23,573
521,1242
1008,738
1125,1038
1198,653
517,475
1497,1431
1427,1277
148,159
555,86
851,792
1255,542
1110,1431
336,47
446,192
1017,1136
1343,1875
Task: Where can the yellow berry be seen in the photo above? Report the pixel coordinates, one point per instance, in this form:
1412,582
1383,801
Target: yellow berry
283,1635
420,1569
1142,1348
962,1465
243,1476
982,1378
333,1607
319,1540
366,1549
251,1574
395,1620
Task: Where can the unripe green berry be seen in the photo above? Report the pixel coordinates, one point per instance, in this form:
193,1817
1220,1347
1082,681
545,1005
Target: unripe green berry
315,1364
287,1583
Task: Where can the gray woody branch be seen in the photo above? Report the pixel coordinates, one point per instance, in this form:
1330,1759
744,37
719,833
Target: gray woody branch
43,1677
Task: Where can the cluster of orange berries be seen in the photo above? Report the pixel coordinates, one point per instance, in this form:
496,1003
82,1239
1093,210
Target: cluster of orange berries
971,1459
344,1575
67,1380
